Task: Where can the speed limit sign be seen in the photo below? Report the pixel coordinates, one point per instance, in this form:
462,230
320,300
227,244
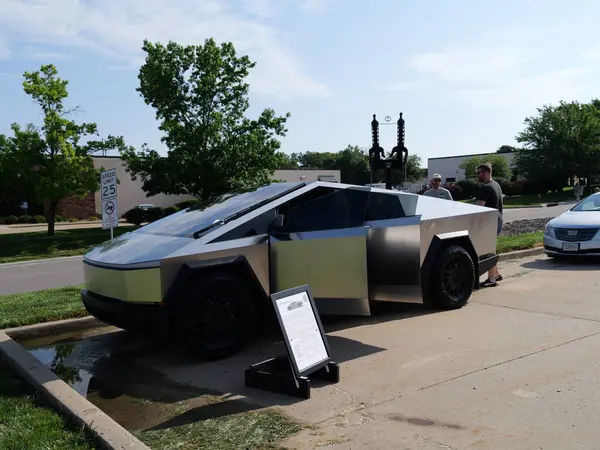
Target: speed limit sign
108,184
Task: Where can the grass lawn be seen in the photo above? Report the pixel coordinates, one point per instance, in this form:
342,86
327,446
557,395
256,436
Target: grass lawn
26,424
43,306
519,242
28,246
251,430
530,200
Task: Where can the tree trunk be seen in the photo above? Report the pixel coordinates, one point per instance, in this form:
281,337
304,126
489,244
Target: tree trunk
51,216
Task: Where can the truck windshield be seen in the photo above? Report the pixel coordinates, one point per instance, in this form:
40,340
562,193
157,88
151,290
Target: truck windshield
188,221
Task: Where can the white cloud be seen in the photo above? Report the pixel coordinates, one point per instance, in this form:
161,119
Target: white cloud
116,29
514,72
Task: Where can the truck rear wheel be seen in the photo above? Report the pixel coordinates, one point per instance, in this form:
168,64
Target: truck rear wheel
216,317
452,279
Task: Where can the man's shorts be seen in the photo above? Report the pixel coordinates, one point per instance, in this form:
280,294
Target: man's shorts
499,225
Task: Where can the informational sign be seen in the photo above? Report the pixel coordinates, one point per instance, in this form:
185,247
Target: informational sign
302,329
108,184
110,214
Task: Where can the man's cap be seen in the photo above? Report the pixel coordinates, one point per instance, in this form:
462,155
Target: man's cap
436,176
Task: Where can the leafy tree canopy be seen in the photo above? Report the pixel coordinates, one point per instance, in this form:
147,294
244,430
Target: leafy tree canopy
51,160
353,164
200,96
560,142
500,166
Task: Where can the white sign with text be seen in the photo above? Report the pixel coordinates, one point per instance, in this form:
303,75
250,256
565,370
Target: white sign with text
110,214
302,329
108,184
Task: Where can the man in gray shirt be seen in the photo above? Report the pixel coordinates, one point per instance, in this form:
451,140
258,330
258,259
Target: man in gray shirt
436,190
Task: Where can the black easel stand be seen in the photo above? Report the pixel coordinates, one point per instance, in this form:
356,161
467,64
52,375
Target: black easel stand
276,375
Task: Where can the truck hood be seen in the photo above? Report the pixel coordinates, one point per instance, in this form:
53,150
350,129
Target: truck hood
136,248
582,219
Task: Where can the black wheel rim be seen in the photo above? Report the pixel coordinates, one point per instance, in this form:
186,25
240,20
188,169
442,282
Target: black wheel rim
216,321
456,278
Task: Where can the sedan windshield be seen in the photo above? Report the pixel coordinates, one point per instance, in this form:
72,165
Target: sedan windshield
591,203
185,223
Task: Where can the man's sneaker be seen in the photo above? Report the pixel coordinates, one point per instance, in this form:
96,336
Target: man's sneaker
489,283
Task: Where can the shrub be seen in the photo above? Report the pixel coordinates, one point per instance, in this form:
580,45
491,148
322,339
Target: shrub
10,220
135,216
170,210
39,219
93,218
468,187
72,219
154,214
24,219
59,218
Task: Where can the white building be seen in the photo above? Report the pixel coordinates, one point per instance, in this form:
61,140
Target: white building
449,166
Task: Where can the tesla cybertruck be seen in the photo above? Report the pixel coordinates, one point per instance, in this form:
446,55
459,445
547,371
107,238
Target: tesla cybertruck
205,274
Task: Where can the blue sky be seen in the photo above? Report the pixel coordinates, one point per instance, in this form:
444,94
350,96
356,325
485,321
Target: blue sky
465,73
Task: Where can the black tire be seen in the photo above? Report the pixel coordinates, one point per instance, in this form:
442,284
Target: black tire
216,317
452,279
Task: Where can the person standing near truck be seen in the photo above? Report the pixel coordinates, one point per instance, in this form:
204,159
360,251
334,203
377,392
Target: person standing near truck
489,194
436,189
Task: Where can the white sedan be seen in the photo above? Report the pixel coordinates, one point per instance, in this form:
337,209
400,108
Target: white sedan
576,231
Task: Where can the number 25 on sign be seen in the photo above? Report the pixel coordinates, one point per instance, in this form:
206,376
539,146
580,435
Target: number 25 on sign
108,184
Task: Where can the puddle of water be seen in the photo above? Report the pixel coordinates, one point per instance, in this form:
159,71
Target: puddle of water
105,368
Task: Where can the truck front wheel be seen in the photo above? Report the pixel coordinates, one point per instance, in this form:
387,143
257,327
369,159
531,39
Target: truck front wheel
452,279
216,317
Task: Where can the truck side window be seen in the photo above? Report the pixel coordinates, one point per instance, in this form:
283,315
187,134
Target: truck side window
342,208
384,206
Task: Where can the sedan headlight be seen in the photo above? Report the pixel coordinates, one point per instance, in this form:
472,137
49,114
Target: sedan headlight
549,231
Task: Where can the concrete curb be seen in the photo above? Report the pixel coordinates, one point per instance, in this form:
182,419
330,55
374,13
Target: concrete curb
521,253
60,395
53,328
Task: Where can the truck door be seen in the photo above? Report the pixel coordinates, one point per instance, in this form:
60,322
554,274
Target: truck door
323,243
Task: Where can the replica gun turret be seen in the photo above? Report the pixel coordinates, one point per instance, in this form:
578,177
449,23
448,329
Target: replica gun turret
377,159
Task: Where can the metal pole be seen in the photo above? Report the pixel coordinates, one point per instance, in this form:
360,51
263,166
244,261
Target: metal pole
111,233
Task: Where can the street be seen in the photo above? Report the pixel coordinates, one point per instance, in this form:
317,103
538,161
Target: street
512,214
37,275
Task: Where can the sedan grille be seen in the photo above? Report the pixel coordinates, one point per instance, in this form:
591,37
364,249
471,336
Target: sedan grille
575,234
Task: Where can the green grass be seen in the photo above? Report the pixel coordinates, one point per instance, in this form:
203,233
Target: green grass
26,424
29,246
518,201
42,306
250,430
519,242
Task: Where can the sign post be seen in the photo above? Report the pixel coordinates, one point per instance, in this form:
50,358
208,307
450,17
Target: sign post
308,354
108,195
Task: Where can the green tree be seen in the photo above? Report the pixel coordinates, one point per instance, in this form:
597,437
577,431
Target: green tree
500,166
560,142
506,149
201,97
51,159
